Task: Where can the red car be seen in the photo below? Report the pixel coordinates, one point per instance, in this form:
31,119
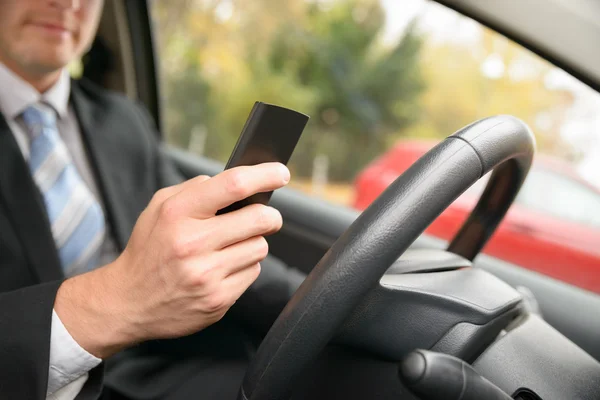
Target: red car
553,226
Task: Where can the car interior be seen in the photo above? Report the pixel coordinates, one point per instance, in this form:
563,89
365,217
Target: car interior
378,289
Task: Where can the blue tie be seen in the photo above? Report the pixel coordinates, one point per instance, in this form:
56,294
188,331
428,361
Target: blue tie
76,218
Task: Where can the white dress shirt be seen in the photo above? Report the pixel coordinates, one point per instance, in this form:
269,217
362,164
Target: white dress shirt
69,362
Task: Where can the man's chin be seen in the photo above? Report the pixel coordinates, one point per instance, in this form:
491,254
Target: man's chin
46,58
48,65
42,73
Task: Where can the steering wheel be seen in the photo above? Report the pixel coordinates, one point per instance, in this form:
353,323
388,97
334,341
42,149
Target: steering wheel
379,236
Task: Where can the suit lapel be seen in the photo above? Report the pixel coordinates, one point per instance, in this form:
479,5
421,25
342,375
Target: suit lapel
96,125
26,208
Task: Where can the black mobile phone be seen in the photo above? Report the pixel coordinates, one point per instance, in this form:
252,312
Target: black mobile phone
270,134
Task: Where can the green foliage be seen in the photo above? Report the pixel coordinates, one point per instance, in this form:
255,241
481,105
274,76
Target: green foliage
458,93
365,91
326,62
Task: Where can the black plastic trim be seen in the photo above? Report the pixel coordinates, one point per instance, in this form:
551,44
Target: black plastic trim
144,57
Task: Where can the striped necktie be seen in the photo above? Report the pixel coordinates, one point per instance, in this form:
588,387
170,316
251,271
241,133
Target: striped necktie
76,218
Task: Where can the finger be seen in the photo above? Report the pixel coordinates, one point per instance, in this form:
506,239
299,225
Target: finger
242,255
236,284
198,178
192,237
250,221
167,192
222,263
150,214
202,199
230,260
162,195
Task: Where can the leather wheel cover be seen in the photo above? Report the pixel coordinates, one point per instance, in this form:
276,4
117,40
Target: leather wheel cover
360,257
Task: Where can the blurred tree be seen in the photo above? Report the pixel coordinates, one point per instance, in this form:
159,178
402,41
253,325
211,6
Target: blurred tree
467,82
321,58
365,91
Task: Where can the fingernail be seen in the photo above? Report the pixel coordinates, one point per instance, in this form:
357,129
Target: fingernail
286,174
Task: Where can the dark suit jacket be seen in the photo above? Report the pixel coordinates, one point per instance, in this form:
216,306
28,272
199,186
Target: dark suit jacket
129,167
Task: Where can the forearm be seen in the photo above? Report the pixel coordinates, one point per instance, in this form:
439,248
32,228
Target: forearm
89,307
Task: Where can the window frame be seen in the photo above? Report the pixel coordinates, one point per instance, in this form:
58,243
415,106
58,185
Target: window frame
144,53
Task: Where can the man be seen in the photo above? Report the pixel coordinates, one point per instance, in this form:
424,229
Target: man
78,166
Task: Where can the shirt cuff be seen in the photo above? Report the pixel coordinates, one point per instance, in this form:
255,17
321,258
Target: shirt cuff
68,360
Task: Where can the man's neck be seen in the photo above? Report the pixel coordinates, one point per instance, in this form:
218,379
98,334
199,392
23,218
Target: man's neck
41,81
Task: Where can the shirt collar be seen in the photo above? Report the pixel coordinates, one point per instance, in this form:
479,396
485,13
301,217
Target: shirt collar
16,94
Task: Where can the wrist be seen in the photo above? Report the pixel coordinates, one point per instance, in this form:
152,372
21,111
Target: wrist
90,309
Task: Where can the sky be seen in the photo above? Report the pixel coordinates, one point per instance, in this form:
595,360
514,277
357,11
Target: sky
582,126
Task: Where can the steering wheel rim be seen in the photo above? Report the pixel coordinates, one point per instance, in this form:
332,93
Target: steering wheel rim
383,232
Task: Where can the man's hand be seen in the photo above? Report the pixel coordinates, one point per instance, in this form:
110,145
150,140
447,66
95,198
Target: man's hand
183,267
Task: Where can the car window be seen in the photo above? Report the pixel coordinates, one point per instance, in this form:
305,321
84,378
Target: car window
561,197
382,80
